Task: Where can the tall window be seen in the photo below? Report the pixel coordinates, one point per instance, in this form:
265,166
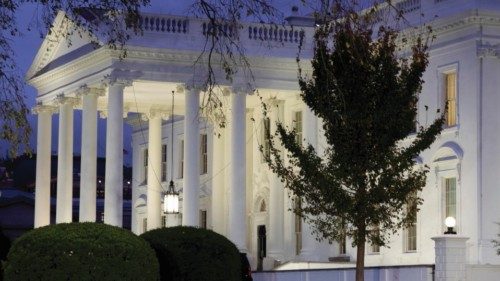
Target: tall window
164,162
374,248
298,227
343,240
144,224
145,164
203,219
266,136
297,125
181,160
450,197
203,154
163,221
410,231
450,91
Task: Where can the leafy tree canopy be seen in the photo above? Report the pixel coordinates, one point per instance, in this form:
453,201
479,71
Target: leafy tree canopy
364,88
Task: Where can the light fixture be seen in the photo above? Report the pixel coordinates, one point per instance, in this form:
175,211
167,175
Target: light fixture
171,197
450,223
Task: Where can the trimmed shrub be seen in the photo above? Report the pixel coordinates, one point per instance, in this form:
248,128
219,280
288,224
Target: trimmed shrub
80,251
4,249
194,254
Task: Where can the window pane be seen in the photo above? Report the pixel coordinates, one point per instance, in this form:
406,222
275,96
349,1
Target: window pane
203,154
298,228
203,219
451,197
146,164
266,136
164,162
297,120
451,98
181,160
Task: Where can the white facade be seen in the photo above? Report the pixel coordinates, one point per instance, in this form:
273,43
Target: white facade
237,190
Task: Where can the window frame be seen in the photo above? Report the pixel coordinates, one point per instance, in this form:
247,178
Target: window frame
406,229
145,162
298,125
203,154
444,170
180,167
164,165
265,137
370,247
298,226
443,72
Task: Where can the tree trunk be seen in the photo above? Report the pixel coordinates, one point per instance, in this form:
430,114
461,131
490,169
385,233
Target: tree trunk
360,256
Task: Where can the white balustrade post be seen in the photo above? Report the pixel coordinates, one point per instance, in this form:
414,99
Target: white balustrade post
276,195
64,200
450,257
237,228
43,159
310,131
154,172
88,170
191,189
113,188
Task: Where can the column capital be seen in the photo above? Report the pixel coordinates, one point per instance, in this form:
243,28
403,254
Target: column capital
192,86
62,99
103,113
242,88
488,50
111,80
85,90
42,108
272,103
156,113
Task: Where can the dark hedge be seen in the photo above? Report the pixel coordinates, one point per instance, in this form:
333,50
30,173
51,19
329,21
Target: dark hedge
4,249
80,251
193,254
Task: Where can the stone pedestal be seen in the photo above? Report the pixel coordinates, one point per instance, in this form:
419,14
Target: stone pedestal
450,258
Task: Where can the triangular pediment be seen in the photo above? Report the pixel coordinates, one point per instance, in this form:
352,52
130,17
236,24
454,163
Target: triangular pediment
62,44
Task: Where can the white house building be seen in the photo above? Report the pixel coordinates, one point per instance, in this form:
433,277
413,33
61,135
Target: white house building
223,182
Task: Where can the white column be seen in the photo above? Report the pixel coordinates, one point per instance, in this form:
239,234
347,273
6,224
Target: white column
218,194
88,170
237,227
64,208
154,172
136,226
191,186
450,257
113,188
310,129
43,157
276,197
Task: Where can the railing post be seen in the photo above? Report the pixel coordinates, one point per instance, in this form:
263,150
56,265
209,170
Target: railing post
450,258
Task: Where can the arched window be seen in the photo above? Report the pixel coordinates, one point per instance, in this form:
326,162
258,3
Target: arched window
447,162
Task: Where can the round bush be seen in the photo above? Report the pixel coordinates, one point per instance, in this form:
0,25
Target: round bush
4,249
188,253
80,251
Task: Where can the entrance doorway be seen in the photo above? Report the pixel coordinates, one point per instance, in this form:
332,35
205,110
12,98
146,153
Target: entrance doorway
261,246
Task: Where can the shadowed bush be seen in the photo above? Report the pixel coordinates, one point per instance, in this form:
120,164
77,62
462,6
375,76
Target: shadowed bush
4,249
193,254
80,251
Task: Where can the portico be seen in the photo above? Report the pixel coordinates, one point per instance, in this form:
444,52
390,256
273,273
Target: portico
214,164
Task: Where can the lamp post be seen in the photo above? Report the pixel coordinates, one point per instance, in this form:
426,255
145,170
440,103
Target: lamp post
450,223
171,197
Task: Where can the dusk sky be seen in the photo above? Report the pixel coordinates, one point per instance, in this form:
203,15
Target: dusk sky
27,45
